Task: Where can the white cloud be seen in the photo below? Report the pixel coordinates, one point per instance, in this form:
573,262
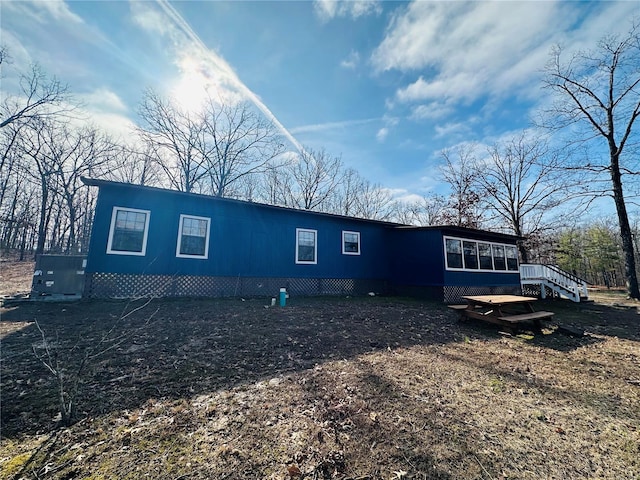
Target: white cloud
118,126
458,52
352,61
104,100
451,129
329,9
59,11
382,134
197,63
430,111
18,55
321,127
465,37
43,11
462,85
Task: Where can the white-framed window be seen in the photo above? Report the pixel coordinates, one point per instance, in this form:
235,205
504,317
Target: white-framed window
193,237
350,243
473,255
306,246
453,248
511,252
485,256
128,231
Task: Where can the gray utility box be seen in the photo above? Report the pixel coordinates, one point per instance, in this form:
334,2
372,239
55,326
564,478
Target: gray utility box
59,275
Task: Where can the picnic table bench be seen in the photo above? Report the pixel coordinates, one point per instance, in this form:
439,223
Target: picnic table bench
505,310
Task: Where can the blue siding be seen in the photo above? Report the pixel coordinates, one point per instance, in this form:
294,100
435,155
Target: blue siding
245,239
253,240
481,279
417,258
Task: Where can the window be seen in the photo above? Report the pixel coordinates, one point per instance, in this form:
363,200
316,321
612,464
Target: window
472,255
486,260
512,258
498,257
306,246
128,231
193,237
454,253
350,243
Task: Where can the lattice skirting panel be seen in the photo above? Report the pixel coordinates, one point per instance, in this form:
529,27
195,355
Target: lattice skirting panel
531,290
116,285
454,294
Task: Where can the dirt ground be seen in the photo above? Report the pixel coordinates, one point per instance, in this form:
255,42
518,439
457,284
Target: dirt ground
325,388
15,277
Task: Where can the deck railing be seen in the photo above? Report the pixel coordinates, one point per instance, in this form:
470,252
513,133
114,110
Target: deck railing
564,283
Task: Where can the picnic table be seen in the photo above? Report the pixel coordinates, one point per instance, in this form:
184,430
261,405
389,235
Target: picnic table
504,310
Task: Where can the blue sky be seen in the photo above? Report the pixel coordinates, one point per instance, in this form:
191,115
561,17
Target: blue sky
384,85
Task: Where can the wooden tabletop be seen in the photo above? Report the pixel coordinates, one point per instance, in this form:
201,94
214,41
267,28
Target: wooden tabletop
499,299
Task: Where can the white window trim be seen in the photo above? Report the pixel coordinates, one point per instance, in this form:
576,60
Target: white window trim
483,270
315,254
206,242
114,213
343,242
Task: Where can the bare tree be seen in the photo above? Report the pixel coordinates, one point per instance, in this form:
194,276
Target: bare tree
347,192
373,202
460,173
41,169
520,185
210,150
76,153
599,92
431,210
55,156
39,97
235,142
316,177
173,136
276,186
134,165
10,159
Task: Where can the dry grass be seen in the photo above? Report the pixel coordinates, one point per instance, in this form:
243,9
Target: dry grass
326,388
15,277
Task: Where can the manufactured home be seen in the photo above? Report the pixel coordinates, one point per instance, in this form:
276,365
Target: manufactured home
153,241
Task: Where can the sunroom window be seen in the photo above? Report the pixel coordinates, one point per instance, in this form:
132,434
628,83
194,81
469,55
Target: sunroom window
498,257
454,253
512,258
472,255
484,253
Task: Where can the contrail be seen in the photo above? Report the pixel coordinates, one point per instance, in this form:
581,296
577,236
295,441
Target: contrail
226,70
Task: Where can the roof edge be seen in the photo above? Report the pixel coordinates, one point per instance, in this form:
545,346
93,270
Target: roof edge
96,182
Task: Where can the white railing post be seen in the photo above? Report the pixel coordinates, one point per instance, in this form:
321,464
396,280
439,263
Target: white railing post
558,281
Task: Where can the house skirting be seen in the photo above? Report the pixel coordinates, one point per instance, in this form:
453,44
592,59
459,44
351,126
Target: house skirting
118,285
452,294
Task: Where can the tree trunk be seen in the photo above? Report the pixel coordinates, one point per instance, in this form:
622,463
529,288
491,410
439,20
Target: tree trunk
524,255
71,240
625,230
42,224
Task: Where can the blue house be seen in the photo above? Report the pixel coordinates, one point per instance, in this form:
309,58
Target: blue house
148,240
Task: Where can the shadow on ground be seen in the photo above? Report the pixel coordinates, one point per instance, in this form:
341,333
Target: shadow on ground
179,348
